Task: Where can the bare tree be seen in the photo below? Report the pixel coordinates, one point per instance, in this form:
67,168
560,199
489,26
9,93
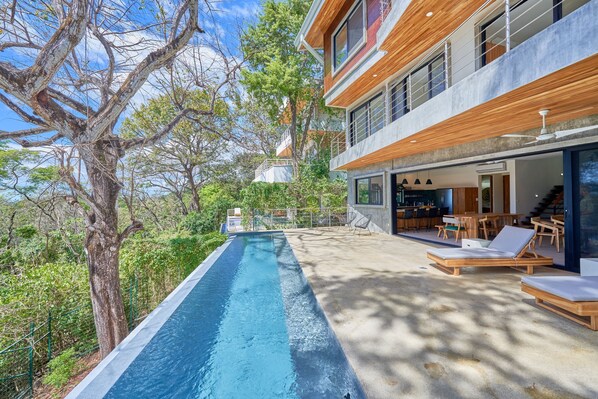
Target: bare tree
70,68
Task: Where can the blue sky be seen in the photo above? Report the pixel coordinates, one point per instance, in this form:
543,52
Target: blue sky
229,17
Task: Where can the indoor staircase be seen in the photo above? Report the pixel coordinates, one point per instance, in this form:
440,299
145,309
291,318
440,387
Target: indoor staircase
551,204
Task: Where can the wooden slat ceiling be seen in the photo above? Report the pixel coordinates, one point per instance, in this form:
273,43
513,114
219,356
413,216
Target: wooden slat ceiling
328,12
411,37
569,93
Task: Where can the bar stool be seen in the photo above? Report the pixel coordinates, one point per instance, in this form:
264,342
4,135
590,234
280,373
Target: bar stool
407,217
432,216
420,215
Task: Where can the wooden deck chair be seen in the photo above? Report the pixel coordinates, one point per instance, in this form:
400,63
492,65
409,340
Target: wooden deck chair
573,297
512,247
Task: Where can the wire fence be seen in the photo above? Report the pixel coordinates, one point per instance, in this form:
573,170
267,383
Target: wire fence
294,218
25,360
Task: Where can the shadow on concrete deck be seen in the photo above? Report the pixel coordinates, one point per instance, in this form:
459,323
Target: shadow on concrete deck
410,330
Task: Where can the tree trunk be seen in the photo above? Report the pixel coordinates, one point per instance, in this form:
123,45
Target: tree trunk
196,203
103,243
294,138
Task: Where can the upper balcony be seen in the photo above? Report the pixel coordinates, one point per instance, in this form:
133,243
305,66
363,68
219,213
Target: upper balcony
274,171
487,78
317,127
360,53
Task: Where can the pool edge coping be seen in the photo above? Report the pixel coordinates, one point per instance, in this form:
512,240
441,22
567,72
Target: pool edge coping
164,310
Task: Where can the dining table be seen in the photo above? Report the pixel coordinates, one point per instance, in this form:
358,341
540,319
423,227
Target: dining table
472,221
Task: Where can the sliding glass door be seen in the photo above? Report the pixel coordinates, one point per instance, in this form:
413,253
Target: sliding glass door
582,206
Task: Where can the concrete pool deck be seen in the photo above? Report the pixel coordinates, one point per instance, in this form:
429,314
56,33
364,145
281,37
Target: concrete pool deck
411,331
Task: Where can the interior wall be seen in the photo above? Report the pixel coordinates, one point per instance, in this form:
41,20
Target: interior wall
534,178
460,176
497,193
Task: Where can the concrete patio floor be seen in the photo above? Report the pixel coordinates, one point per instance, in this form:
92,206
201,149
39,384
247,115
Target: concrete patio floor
411,331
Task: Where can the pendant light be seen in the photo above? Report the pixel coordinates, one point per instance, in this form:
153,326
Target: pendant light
404,182
417,179
429,181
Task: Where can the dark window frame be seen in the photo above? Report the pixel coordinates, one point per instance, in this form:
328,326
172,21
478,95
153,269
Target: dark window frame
368,119
403,95
405,83
345,23
369,179
557,15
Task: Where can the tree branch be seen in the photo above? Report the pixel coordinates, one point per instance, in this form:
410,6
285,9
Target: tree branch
53,54
137,78
130,229
141,141
19,111
23,133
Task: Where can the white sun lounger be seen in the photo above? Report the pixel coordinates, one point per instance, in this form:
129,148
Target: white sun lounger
512,247
573,297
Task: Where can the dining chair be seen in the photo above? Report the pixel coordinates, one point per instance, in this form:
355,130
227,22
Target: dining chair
545,228
490,226
456,225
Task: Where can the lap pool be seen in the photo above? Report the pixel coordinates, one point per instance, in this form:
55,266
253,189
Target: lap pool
245,324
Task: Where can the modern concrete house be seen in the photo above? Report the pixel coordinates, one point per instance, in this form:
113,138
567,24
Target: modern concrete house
465,105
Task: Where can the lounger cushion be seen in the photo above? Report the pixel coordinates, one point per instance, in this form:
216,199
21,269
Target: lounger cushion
573,288
470,253
512,239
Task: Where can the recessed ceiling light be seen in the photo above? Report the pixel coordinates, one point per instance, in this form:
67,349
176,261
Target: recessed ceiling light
413,141
429,14
375,75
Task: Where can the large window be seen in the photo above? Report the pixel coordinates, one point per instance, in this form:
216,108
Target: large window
418,86
428,81
527,17
369,190
349,35
366,119
399,102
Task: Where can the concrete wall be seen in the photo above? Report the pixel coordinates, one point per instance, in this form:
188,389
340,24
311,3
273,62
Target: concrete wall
277,174
526,181
534,179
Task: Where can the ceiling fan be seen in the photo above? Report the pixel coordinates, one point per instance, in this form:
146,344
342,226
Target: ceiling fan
545,135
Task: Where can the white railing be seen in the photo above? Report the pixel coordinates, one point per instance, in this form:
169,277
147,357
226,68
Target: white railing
270,163
338,144
500,26
285,139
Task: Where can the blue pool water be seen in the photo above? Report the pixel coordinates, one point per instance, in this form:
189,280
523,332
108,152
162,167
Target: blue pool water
250,328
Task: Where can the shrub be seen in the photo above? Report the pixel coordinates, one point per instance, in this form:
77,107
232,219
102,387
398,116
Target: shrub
62,368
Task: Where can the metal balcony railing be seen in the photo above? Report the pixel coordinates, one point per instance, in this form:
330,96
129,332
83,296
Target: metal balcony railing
338,144
499,27
294,218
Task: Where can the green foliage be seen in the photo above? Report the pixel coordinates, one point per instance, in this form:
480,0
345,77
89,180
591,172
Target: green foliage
278,71
260,195
216,199
163,261
62,368
41,175
35,249
159,262
27,231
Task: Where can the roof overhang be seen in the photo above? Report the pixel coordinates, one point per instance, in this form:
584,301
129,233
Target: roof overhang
318,19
